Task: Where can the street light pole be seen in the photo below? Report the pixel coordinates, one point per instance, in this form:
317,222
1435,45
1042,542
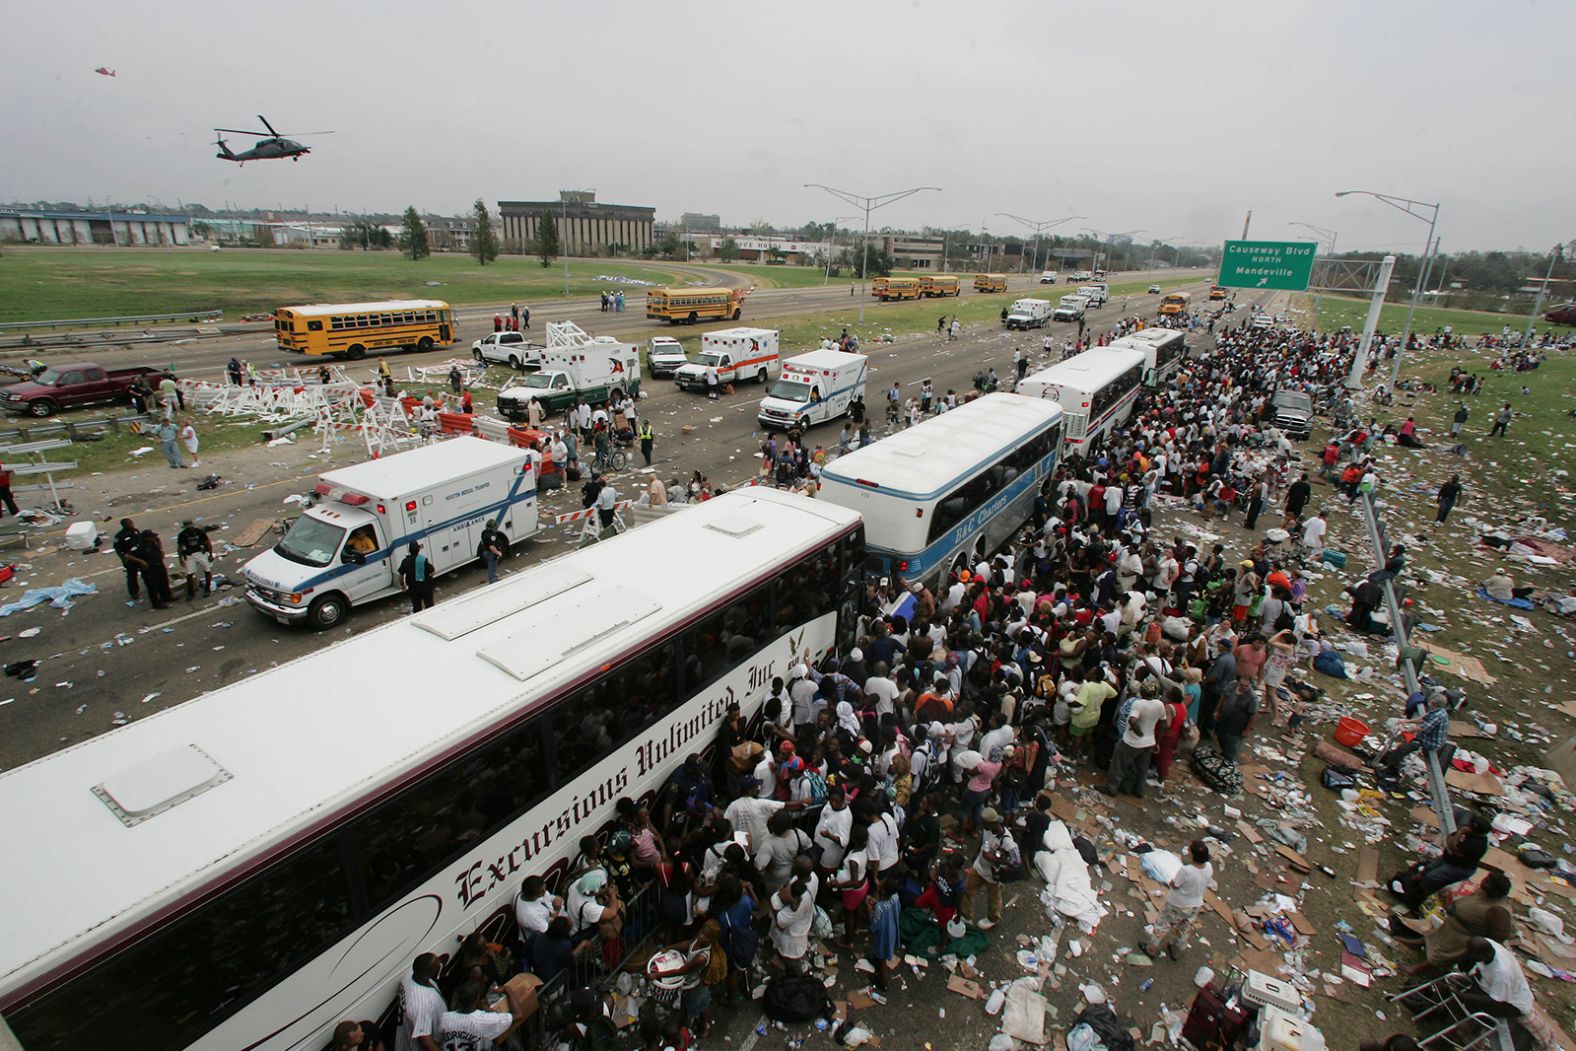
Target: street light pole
1318,299
1537,303
827,279
868,205
1039,226
1406,204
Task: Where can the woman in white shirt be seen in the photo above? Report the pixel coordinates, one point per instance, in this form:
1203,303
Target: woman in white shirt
793,911
1183,902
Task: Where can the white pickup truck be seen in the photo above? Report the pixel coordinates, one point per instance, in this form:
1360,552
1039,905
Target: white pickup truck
665,356
507,348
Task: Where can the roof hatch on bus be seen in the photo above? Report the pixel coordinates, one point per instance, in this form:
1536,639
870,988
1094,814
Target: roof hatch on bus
462,616
160,783
736,526
534,649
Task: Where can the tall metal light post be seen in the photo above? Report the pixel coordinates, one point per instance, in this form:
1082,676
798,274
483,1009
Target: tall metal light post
1406,204
1537,303
867,205
1324,235
563,232
1039,227
827,279
1110,240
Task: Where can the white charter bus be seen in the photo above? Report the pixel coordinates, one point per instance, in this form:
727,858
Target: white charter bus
1164,351
960,483
249,868
1096,389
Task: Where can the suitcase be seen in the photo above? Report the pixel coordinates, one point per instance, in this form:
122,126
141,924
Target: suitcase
1211,1024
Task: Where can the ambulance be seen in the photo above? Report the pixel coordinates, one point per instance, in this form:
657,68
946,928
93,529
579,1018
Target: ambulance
813,388
731,355
346,549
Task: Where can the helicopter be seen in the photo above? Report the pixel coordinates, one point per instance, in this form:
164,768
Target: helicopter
271,146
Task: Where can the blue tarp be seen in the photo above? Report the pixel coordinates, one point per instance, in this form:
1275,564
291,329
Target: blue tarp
59,596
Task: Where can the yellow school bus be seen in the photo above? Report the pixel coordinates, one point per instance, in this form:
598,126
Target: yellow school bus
689,305
990,282
1217,292
352,329
1176,303
934,286
885,288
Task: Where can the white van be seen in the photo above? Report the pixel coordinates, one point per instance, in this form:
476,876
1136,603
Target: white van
813,388
732,355
347,549
1029,313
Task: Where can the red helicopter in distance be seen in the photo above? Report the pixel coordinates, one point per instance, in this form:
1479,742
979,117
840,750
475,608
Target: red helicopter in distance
272,145
104,72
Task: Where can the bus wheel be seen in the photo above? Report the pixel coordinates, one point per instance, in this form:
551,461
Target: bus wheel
326,612
357,352
424,343
693,317
736,314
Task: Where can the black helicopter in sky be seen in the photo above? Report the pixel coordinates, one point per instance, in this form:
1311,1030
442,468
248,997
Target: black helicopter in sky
271,146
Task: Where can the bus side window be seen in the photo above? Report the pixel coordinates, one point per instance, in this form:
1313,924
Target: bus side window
314,326
269,926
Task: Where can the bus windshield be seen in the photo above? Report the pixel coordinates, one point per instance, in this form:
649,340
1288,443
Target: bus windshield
790,390
311,541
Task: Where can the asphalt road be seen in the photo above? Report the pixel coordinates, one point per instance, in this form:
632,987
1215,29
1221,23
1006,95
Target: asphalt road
103,657
205,357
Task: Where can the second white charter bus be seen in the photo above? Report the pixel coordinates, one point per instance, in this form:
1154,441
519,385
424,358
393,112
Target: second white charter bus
1164,351
958,484
247,869
1096,389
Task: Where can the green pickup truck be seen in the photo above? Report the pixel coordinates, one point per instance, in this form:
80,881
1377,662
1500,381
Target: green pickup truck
560,384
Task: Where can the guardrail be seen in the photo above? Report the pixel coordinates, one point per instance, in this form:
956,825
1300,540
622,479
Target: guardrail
72,429
129,319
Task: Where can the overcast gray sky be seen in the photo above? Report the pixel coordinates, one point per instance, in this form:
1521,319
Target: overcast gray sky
1173,118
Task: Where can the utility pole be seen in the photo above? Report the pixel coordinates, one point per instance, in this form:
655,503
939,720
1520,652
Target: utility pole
868,205
1537,304
1354,379
1245,223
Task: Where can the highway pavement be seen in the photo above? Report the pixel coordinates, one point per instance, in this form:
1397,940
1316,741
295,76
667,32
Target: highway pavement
104,661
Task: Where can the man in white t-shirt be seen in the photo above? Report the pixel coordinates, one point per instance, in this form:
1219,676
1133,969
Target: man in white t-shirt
997,848
1130,758
881,689
1313,531
881,842
534,908
1183,901
421,1005
471,1026
749,814
833,828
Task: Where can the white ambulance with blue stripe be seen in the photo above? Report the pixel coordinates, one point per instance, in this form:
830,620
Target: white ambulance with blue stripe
813,388
346,549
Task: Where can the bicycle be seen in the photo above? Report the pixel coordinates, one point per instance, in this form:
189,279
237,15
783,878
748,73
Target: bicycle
614,460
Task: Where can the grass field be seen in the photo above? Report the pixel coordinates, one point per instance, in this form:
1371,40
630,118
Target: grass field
1335,311
43,284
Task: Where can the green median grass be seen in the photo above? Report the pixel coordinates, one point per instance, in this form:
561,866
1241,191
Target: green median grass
41,284
1336,311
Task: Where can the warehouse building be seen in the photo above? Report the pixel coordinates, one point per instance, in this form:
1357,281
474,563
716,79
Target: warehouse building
35,226
585,227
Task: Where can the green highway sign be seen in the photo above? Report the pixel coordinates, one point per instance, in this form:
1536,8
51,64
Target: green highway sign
1282,265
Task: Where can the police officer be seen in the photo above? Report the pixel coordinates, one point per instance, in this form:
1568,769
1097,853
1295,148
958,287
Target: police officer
494,546
123,545
647,436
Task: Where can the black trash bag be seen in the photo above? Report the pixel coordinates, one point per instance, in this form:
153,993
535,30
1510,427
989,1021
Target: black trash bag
1336,779
795,998
1107,1026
